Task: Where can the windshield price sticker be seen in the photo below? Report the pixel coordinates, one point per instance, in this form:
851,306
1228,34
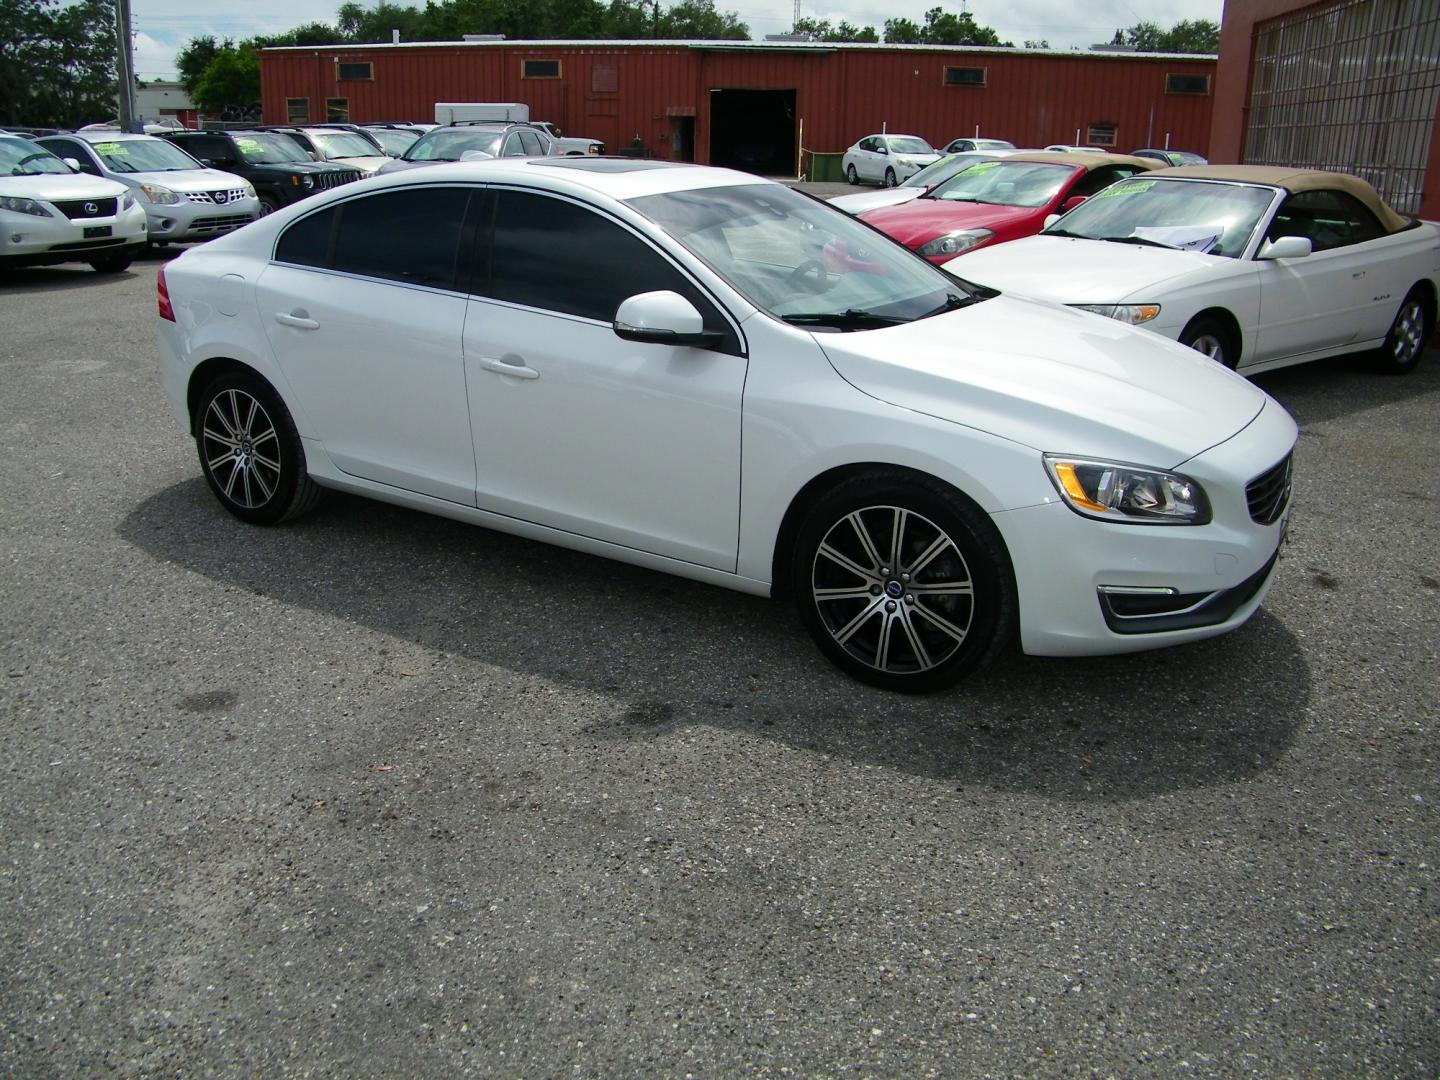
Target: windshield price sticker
1126,189
249,146
111,149
984,166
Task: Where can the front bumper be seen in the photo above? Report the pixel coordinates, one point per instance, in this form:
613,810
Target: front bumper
28,240
199,216
1089,588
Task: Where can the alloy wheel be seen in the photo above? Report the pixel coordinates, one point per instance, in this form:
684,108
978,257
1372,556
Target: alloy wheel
1407,336
241,449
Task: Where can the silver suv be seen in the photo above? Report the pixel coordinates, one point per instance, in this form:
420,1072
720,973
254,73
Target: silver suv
183,200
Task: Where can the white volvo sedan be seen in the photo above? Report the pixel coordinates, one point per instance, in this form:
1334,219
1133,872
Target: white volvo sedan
1256,267
703,373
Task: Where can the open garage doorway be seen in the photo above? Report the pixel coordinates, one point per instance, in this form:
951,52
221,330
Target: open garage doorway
753,130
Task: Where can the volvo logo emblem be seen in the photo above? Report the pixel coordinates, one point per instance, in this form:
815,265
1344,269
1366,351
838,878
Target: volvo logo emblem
894,589
91,208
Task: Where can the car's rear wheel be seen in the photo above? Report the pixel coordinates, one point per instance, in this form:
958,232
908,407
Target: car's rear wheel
250,451
890,180
268,205
114,264
851,176
1405,343
1208,335
902,582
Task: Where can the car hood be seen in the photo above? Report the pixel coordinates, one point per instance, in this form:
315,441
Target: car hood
366,164
919,220
1078,271
873,200
51,186
187,179
1052,378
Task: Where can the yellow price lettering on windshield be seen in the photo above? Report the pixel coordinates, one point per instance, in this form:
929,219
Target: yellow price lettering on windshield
1126,189
111,149
249,146
984,166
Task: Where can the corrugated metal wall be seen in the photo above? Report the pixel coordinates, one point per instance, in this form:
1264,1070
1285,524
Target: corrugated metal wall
842,94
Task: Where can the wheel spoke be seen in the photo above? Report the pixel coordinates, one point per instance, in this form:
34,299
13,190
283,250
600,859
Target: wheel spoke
944,625
266,489
882,647
841,559
267,462
235,471
844,594
945,588
898,522
215,463
846,632
929,555
219,413
249,497
248,427
922,654
866,541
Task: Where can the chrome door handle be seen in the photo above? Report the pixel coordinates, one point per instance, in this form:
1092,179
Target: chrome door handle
515,371
300,320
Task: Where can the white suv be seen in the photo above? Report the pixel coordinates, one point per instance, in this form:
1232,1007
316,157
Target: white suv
49,214
183,200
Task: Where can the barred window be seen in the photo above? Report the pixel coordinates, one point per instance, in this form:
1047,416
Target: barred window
297,110
540,69
1187,84
965,76
354,71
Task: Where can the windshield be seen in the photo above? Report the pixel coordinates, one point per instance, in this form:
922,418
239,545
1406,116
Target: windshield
394,140
143,155
1006,183
342,144
263,148
937,172
802,260
908,144
21,157
450,144
1190,215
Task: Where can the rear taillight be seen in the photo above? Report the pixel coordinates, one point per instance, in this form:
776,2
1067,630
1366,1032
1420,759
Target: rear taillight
162,297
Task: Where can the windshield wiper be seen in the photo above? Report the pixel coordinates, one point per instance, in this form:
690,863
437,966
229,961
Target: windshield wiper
952,302
1062,232
849,319
1141,240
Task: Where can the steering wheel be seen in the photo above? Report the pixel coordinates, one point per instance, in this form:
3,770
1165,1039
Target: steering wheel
811,276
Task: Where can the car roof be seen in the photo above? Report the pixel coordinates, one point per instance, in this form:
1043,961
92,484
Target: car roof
1088,162
1294,179
100,135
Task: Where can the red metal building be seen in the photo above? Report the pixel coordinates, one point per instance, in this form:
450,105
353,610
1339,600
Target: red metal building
751,105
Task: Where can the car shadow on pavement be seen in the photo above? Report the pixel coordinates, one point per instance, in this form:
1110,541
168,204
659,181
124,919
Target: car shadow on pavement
673,654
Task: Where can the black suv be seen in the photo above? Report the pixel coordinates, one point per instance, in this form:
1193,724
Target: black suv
275,164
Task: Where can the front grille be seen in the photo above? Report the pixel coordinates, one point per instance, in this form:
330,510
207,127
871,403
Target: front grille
332,178
1269,493
219,198
75,209
220,224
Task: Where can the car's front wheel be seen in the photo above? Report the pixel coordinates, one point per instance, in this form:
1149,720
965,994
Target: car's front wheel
1405,343
268,204
250,451
890,180
1207,334
113,264
902,582
851,176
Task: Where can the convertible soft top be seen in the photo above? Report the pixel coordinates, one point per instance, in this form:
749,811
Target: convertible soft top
1090,159
1293,180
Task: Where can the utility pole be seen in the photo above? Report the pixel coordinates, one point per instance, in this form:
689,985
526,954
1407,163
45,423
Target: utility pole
125,64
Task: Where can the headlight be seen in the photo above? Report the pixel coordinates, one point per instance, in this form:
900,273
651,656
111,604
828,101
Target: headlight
955,243
158,194
22,206
1134,314
307,181
1115,491
248,188
127,199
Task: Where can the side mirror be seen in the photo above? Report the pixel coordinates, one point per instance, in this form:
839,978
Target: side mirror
74,163
1070,203
1050,219
663,318
1285,247
882,150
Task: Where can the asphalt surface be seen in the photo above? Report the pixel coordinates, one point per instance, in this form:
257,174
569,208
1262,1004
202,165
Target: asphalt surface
379,794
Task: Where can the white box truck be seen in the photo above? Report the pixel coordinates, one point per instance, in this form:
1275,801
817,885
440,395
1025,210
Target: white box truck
512,112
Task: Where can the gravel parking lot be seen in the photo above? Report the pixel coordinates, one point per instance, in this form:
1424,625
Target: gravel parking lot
380,794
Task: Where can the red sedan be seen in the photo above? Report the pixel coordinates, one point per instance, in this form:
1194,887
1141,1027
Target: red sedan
995,201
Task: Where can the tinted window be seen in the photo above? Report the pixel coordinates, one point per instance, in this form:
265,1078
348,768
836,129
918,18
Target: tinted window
561,257
531,141
307,242
411,236
1329,219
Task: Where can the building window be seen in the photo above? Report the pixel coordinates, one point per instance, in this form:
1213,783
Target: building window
1187,84
354,71
604,78
297,110
1100,134
337,110
964,76
540,69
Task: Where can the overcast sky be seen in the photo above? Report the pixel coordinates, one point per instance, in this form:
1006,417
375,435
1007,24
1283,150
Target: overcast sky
163,27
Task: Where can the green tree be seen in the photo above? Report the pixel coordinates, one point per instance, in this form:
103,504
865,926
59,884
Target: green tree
821,30
1042,43
699,19
57,64
1186,36
946,28
192,60
231,81
902,32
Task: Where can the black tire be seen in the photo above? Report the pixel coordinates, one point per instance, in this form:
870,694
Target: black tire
890,180
114,264
250,452
851,176
1211,337
1409,334
918,627
268,204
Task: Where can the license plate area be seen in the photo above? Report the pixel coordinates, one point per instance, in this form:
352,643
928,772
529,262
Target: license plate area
94,232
